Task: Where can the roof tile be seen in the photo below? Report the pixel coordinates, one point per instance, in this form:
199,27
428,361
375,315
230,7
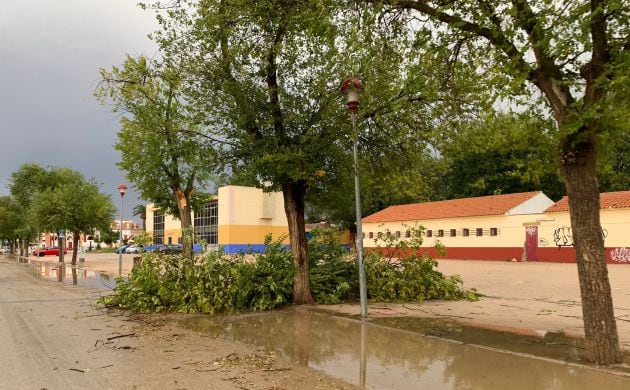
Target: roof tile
607,200
455,208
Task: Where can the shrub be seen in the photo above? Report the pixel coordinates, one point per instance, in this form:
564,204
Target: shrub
411,278
213,283
220,283
333,273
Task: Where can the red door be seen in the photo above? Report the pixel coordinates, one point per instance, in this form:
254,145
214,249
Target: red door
531,243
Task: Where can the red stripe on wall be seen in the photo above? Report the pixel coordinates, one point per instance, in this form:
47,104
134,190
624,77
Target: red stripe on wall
545,254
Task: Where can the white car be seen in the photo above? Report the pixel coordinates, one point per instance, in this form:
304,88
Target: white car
4,250
133,249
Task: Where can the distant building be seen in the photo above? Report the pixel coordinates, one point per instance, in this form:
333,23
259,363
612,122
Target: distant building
130,229
237,219
525,226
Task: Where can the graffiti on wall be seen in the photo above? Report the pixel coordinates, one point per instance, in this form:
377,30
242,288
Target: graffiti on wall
620,255
563,236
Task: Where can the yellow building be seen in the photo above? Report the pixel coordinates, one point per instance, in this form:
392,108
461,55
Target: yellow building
237,219
525,226
556,240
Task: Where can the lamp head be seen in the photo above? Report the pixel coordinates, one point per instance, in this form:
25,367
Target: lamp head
352,89
122,189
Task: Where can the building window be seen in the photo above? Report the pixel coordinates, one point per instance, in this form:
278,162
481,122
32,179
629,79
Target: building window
494,231
380,235
389,234
408,233
479,232
363,236
453,233
206,223
371,235
429,233
397,233
440,233
466,232
158,227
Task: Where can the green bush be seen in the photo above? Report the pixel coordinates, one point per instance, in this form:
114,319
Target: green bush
222,283
412,278
334,274
214,283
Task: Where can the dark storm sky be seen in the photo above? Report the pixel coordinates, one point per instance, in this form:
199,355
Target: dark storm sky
50,55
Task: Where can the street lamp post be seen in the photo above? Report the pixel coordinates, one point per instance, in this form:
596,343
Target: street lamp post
122,189
352,88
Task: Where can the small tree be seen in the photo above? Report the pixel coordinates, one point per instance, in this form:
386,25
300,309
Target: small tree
76,205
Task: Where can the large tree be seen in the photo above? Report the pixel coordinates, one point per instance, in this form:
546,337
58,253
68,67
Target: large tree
576,56
157,137
266,75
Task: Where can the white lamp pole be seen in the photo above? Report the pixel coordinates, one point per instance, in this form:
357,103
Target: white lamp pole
352,88
122,189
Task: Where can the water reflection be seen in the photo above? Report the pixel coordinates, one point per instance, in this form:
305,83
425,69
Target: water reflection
379,357
67,274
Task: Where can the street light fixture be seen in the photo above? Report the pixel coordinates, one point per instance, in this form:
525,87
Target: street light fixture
352,89
122,189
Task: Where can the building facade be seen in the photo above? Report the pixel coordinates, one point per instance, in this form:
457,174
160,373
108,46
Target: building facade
526,227
237,219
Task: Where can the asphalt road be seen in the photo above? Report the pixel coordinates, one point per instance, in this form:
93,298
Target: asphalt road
51,337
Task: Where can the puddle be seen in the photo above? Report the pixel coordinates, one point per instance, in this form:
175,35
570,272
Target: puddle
77,276
550,345
379,357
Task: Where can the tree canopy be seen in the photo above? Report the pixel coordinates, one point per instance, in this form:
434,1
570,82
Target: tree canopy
571,59
157,139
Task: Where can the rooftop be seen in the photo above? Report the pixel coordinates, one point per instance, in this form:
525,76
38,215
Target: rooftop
455,208
607,200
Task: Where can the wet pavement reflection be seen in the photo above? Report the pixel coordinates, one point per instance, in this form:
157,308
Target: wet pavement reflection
67,274
380,357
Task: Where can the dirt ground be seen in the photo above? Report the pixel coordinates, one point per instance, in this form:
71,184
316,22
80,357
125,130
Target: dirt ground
54,337
529,298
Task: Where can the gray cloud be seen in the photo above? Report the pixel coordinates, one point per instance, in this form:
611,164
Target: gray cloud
50,55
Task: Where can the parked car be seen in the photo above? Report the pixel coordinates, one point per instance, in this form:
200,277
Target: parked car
134,249
48,251
4,250
122,248
151,247
170,249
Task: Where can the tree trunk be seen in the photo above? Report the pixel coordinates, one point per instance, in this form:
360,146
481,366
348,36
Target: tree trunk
293,193
183,206
75,244
578,169
60,246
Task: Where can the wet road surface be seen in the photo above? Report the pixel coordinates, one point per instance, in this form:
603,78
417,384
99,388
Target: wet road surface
379,357
50,333
52,336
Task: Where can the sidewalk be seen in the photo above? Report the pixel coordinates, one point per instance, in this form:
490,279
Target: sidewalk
529,298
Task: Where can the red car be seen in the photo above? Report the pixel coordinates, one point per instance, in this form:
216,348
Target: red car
49,251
